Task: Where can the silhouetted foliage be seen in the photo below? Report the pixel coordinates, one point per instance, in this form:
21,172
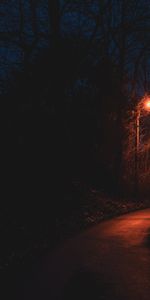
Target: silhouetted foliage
65,103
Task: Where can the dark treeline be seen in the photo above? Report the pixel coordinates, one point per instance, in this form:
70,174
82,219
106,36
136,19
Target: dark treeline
65,133
63,110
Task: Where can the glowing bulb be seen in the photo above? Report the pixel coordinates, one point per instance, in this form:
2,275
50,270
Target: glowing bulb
147,104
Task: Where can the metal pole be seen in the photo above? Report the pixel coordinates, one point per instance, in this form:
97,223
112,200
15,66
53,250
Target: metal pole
137,144
138,131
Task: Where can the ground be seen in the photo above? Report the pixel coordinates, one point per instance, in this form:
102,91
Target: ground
23,241
109,261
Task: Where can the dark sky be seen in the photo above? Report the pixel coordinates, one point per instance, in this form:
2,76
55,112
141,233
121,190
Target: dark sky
77,19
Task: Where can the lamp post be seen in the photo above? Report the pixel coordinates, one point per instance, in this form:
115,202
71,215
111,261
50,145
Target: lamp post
144,105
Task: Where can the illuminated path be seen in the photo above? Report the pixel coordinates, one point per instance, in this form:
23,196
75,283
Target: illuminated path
109,261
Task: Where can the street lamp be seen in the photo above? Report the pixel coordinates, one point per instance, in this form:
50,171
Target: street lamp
144,106
147,104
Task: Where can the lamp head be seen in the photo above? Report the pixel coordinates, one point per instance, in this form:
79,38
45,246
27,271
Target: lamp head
146,103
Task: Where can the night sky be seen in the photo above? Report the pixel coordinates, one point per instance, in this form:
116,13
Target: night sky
78,18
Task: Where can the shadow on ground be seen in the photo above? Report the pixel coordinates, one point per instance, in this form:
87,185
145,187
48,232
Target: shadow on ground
89,285
147,239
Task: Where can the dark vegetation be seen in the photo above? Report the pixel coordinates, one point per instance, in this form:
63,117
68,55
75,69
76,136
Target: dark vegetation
62,114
